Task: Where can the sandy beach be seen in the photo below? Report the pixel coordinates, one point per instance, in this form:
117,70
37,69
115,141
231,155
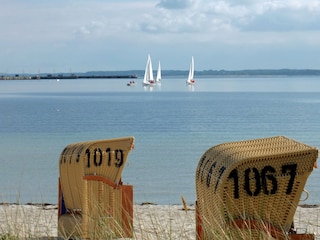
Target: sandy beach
150,221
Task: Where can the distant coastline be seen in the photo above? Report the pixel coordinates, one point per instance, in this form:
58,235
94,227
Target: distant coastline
60,76
170,73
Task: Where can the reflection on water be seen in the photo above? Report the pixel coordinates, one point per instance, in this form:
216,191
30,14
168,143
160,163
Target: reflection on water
148,88
216,84
191,88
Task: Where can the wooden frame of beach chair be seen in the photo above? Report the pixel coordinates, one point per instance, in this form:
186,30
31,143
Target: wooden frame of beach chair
251,189
93,202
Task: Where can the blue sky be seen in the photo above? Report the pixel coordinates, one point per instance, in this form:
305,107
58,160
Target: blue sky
85,35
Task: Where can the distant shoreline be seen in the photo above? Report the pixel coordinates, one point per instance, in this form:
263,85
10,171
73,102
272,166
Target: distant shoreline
58,77
166,73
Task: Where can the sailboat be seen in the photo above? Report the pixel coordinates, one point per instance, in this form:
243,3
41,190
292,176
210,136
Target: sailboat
148,74
158,78
190,80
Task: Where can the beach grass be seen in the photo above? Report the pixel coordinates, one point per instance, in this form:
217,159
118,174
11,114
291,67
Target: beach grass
151,221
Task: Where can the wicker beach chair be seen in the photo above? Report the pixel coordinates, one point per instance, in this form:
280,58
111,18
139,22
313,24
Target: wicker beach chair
251,189
93,202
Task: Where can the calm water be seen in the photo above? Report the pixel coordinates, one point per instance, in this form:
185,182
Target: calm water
173,125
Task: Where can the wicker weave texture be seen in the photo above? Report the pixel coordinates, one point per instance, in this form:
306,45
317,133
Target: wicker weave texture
102,214
104,209
105,158
259,179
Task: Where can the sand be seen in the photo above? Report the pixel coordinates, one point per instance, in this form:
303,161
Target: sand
150,221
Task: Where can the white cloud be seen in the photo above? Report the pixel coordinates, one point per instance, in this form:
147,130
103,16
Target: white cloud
287,16
102,19
96,28
175,4
92,28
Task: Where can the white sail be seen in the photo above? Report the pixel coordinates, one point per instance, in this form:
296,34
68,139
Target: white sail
190,79
148,74
158,78
151,79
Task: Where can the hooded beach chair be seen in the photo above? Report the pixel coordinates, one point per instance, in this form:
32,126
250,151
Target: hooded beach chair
251,189
93,202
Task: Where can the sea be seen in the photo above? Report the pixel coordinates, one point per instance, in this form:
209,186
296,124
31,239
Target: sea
173,125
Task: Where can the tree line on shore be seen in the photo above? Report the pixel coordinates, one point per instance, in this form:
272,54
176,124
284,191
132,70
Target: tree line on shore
171,73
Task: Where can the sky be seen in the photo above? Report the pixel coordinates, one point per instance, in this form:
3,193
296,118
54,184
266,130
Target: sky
45,36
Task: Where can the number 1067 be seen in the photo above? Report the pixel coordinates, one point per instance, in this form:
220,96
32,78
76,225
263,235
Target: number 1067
264,181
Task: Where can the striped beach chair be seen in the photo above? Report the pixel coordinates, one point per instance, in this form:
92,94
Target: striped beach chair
93,202
251,189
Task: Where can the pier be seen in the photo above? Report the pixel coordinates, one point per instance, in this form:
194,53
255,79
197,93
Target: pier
60,76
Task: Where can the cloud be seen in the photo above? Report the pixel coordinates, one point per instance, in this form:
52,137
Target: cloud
175,4
104,19
243,15
92,28
284,16
96,28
